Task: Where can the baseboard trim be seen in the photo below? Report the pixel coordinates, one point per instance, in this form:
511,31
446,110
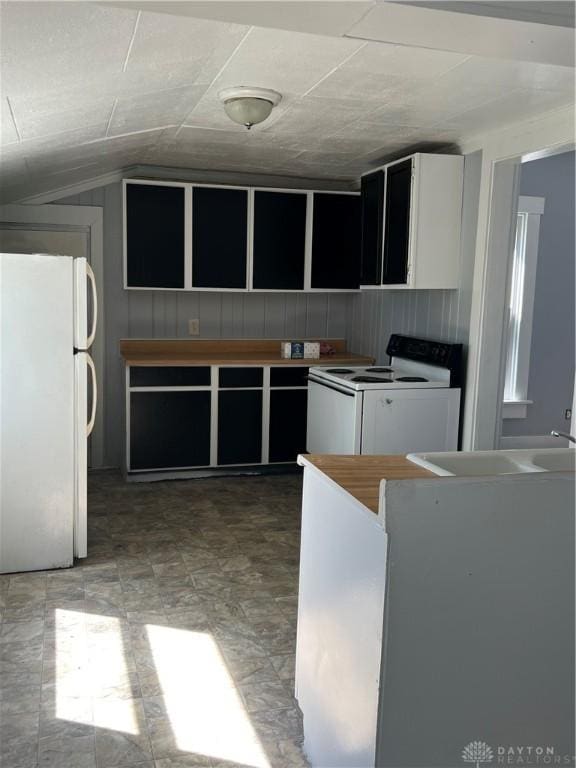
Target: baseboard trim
532,441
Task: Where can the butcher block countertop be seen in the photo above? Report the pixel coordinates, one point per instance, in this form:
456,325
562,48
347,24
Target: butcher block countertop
360,476
228,352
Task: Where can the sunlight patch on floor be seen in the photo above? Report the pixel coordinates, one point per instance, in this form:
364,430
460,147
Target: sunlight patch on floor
90,670
205,710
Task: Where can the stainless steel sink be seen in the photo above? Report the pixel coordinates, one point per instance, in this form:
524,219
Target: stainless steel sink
479,463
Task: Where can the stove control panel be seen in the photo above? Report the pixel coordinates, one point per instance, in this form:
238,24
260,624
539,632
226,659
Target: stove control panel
428,351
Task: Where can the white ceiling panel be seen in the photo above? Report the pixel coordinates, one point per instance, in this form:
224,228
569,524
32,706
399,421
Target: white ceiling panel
407,63
189,135
515,105
479,71
316,116
346,83
34,124
94,88
54,45
153,109
285,61
179,51
8,132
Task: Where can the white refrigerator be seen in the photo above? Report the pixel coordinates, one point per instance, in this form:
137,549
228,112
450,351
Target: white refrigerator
48,314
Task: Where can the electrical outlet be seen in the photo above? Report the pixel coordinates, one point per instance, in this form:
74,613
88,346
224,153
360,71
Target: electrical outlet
194,327
568,414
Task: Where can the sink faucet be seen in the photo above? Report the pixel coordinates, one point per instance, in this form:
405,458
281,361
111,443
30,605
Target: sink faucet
555,433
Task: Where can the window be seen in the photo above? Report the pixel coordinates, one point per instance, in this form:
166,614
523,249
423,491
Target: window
521,306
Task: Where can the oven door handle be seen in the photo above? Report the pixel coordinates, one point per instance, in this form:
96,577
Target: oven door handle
331,386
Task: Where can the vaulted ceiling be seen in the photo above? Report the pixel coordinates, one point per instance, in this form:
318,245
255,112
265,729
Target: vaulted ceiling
90,88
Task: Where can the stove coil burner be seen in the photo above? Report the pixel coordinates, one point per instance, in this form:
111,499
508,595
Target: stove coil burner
338,370
380,370
371,380
411,378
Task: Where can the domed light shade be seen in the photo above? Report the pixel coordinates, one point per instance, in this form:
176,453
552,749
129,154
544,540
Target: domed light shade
249,106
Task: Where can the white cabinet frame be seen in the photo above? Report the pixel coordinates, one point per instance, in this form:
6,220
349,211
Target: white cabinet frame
435,222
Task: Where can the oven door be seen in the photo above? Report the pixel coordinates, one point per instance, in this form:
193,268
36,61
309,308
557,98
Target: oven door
334,418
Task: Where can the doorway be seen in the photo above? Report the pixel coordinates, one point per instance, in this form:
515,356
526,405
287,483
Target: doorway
540,339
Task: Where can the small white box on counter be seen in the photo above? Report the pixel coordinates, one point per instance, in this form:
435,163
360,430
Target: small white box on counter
312,349
297,350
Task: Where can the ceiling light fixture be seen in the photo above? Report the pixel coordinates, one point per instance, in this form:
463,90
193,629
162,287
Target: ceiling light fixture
249,106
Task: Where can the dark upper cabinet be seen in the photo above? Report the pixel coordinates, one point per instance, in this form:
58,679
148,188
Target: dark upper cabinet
335,241
240,426
288,408
372,197
169,429
397,223
154,236
279,240
219,237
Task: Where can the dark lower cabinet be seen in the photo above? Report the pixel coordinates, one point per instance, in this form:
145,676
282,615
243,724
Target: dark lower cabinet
335,241
397,223
154,236
288,408
240,426
279,240
169,429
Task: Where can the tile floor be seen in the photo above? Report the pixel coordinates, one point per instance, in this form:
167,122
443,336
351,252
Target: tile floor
172,645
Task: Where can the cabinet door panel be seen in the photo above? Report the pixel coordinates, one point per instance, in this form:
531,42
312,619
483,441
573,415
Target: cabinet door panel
288,410
372,226
219,237
397,223
154,236
336,241
240,427
279,240
169,429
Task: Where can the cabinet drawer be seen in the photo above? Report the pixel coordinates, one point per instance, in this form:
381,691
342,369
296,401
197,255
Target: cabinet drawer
287,376
240,378
169,376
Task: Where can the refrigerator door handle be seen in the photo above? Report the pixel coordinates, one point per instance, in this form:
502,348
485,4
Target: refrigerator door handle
92,334
90,425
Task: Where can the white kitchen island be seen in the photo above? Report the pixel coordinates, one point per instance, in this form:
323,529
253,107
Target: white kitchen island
433,612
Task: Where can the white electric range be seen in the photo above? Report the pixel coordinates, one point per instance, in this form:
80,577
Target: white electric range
411,405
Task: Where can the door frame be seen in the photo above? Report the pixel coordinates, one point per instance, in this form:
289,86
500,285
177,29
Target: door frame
502,153
67,217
